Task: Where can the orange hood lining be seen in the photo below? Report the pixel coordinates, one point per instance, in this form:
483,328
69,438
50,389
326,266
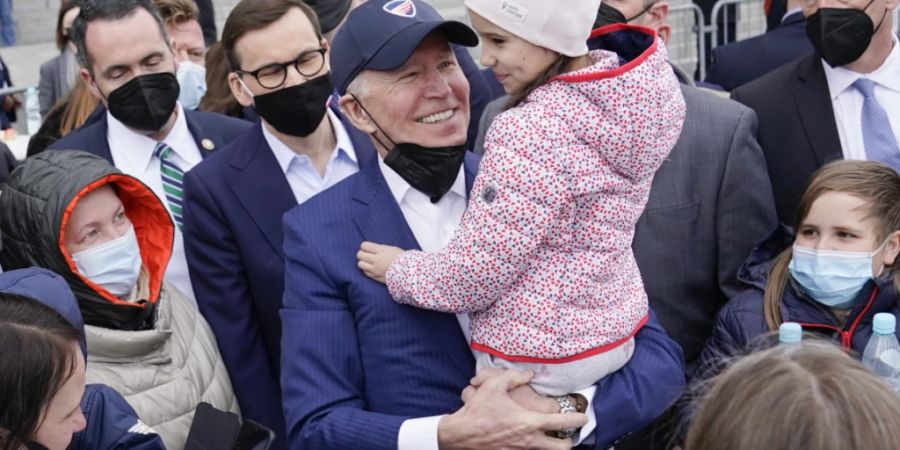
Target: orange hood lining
152,225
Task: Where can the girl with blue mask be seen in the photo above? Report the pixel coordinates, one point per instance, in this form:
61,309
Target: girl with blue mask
110,238
832,276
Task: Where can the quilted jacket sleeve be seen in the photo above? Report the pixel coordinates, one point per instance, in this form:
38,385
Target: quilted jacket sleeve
514,202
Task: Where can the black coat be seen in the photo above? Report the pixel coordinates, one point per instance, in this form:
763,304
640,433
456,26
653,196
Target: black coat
797,129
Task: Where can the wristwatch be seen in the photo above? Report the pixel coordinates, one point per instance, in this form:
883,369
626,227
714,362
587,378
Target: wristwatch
566,407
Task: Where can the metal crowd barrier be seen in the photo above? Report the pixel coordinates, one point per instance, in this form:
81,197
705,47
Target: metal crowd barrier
748,16
688,27
730,21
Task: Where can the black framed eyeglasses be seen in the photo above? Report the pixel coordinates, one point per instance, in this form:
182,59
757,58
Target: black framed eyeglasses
308,64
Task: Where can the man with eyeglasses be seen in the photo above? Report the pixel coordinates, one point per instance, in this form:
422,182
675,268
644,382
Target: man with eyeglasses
128,63
235,200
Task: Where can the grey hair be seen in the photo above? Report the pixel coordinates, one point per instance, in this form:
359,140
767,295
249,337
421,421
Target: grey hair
108,10
359,86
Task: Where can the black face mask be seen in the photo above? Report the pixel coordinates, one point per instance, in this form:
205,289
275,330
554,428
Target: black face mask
296,110
841,35
607,15
429,170
146,101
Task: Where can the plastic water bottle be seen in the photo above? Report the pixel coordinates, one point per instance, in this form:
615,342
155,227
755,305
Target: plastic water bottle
790,333
882,353
32,111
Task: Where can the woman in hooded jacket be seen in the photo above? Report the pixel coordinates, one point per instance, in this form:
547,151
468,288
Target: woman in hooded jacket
110,238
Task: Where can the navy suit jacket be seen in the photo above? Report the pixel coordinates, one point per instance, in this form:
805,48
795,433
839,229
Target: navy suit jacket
797,129
234,203
356,364
744,61
213,128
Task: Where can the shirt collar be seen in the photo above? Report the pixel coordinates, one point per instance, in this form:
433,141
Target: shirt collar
284,155
790,13
841,78
141,147
399,187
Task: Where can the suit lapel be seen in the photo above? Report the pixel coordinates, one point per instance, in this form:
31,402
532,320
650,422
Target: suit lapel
261,187
101,147
813,101
379,219
206,142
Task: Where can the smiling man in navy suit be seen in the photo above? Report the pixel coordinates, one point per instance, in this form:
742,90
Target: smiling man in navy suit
128,64
362,371
235,199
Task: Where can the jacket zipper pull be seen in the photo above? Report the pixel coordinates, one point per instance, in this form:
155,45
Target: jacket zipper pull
845,340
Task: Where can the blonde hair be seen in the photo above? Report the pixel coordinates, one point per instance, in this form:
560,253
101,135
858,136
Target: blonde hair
812,396
79,105
877,184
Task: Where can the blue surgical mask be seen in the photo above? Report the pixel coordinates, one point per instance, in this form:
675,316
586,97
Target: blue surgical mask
832,278
114,265
192,80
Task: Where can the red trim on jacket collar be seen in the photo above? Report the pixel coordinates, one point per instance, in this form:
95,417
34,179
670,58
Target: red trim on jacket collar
609,29
154,236
845,332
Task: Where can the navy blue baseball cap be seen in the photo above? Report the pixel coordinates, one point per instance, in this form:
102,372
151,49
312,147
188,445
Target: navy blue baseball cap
383,34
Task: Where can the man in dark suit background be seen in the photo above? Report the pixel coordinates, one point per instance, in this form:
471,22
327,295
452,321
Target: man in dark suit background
234,200
128,64
740,62
811,111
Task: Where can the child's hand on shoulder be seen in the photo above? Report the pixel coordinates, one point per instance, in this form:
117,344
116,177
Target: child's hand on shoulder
375,259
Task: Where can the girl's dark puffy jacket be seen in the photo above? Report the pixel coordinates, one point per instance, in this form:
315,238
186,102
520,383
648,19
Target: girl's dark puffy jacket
742,319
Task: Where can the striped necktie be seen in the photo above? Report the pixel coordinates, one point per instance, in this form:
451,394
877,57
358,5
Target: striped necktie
878,138
172,176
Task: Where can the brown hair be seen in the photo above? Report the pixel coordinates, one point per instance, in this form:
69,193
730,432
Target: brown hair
218,98
812,396
251,15
38,358
64,7
877,184
78,106
108,10
559,67
177,11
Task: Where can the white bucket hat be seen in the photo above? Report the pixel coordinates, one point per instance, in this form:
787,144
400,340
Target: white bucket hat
559,25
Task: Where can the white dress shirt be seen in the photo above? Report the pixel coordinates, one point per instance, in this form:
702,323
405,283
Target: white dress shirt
433,224
847,101
132,153
302,176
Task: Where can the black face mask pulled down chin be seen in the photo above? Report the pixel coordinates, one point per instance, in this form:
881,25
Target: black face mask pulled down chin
429,170
841,35
145,102
296,110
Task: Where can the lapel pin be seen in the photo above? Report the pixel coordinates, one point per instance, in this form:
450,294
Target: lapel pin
208,144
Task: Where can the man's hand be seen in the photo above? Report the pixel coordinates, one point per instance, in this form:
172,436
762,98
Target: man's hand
375,259
523,395
492,419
